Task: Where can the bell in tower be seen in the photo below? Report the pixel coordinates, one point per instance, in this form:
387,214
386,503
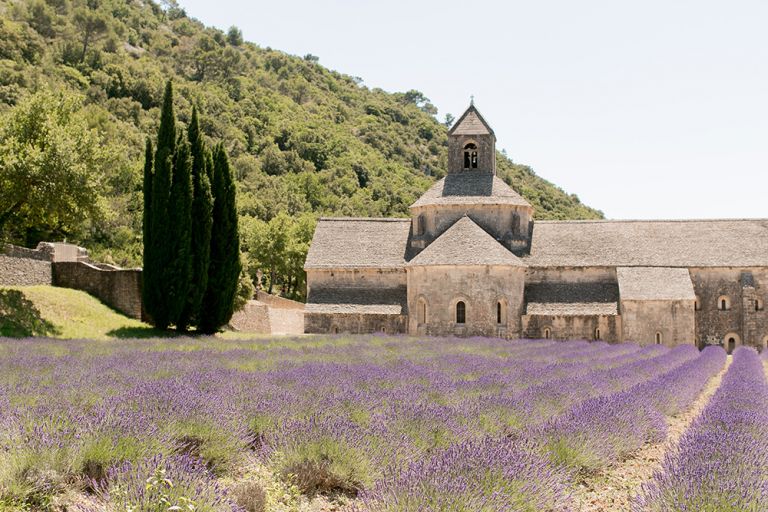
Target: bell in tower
471,144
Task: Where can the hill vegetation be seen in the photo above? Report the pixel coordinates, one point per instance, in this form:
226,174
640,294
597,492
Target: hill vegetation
304,140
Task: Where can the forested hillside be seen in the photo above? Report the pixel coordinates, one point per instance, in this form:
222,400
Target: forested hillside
304,141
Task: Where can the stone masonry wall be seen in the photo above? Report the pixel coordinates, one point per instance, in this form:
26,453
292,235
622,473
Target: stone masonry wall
577,327
354,323
24,271
672,319
742,321
481,288
254,317
119,289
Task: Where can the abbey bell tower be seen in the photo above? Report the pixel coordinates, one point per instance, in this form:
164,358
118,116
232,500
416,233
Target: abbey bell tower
471,144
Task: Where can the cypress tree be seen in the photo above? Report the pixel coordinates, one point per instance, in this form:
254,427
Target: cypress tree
224,269
202,207
179,263
146,218
158,250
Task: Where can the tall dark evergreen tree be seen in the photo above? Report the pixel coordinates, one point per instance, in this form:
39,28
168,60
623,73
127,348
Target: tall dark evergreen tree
224,269
146,217
202,208
179,264
157,250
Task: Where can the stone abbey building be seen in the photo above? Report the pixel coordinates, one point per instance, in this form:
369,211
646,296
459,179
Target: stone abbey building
471,261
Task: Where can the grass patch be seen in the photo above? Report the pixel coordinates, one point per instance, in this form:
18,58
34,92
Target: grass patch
326,466
68,313
211,443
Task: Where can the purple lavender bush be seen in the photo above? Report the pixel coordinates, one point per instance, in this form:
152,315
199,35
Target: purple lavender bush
603,429
721,462
487,475
162,484
354,416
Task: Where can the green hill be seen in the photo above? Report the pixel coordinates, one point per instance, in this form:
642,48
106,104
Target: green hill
303,139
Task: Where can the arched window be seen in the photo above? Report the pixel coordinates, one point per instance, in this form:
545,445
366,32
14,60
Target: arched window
422,311
335,330
461,312
658,338
723,303
470,156
547,333
597,333
421,225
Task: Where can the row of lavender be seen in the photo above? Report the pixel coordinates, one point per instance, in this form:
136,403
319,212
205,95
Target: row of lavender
530,473
721,462
406,424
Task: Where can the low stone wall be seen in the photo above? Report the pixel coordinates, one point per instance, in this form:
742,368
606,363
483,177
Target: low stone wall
286,320
119,289
278,302
20,271
261,317
39,254
254,317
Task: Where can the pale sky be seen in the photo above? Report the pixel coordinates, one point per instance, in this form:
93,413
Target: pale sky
645,109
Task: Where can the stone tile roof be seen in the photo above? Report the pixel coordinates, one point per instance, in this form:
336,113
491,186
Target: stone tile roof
571,299
358,243
572,308
465,243
471,123
470,188
683,243
366,301
655,283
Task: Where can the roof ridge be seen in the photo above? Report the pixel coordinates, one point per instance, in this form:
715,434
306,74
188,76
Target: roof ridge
367,219
629,221
441,256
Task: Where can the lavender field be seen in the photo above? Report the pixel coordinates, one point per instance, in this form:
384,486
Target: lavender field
370,423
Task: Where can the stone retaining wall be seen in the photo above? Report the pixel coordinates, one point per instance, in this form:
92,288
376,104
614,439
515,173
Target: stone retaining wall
278,302
15,271
254,317
119,289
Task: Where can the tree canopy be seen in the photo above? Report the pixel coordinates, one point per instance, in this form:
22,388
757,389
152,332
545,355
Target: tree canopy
303,140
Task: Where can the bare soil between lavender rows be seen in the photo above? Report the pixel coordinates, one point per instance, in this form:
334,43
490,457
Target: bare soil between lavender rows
613,489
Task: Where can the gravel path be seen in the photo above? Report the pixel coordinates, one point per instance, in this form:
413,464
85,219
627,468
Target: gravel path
613,489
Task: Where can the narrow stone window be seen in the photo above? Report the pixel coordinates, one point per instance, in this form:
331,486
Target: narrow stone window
758,305
723,303
597,333
658,338
422,311
470,156
498,312
421,225
547,333
697,305
461,312
335,330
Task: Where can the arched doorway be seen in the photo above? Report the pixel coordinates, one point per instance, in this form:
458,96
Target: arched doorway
731,341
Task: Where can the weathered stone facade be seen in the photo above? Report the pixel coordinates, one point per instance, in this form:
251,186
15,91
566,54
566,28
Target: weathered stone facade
470,261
